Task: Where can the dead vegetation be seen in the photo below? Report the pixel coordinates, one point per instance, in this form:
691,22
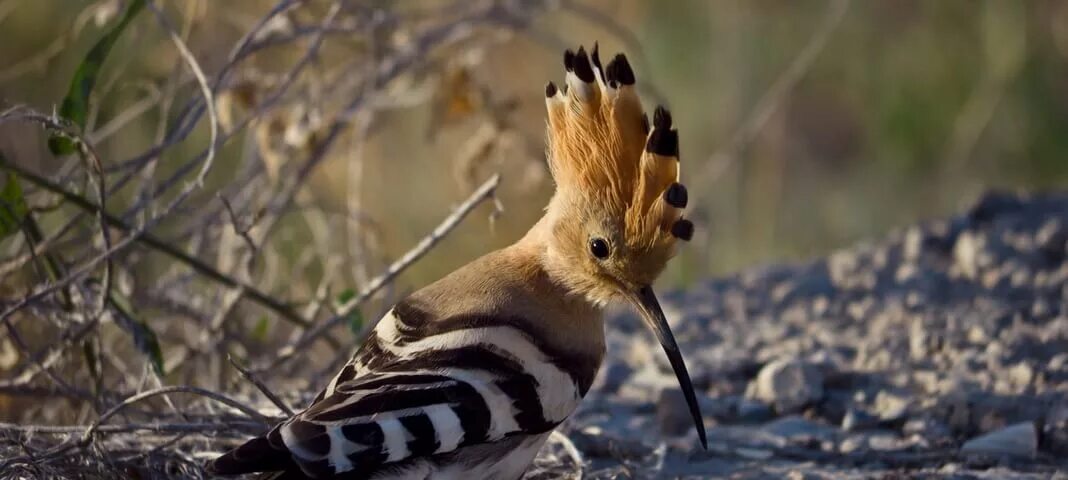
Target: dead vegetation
146,314
161,302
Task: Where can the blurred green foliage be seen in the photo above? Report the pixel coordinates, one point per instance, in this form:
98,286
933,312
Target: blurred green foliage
912,109
13,206
75,106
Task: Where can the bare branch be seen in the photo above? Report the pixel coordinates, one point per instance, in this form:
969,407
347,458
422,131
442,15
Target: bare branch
209,97
160,245
261,387
484,192
247,410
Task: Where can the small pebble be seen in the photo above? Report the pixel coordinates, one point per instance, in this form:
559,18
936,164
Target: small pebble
672,413
753,411
788,385
1018,440
857,419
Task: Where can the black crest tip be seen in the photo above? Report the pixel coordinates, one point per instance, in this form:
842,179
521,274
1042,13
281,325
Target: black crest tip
676,195
626,74
569,60
595,57
663,142
581,65
550,90
682,229
662,118
620,71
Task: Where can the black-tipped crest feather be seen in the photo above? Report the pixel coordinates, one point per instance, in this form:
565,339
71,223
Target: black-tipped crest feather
663,142
595,57
676,195
582,67
620,71
682,229
662,118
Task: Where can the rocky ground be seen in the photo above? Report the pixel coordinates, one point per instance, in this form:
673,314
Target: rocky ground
940,351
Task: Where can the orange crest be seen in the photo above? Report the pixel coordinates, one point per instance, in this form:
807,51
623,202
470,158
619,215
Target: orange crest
603,149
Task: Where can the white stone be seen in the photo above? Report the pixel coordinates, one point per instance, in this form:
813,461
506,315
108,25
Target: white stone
787,384
1018,440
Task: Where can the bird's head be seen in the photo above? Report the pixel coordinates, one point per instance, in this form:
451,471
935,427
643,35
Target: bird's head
616,214
617,211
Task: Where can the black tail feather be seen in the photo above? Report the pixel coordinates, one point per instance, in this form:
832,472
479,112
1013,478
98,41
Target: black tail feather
256,455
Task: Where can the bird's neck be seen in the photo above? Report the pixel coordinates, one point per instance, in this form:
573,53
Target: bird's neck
535,246
569,319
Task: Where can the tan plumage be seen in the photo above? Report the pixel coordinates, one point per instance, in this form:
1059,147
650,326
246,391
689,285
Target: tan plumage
467,376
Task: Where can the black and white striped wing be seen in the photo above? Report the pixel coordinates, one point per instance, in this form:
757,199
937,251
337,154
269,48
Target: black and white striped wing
384,418
417,389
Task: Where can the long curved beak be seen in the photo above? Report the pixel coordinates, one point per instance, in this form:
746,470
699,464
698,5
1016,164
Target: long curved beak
646,302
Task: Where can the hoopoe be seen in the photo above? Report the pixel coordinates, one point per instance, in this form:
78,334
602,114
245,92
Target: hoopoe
467,377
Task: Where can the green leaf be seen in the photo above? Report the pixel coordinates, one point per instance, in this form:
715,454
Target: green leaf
346,295
262,328
75,105
144,338
60,144
13,208
355,320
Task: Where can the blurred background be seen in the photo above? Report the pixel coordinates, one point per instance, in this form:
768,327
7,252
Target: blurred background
899,110
804,126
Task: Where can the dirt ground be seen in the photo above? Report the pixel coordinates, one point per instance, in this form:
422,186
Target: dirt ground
940,351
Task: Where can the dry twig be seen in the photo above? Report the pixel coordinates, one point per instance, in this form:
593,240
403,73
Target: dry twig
85,280
480,195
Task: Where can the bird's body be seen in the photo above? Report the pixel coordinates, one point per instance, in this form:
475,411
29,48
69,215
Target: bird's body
467,377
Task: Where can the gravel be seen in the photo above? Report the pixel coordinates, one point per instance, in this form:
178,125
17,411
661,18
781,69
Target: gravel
940,351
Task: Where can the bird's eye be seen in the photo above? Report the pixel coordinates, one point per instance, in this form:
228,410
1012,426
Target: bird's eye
599,248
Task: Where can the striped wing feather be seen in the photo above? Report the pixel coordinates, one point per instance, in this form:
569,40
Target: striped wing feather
384,418
415,391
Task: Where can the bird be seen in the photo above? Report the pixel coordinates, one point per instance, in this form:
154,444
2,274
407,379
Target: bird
469,375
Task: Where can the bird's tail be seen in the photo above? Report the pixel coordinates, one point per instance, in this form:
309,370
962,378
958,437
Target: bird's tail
259,454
